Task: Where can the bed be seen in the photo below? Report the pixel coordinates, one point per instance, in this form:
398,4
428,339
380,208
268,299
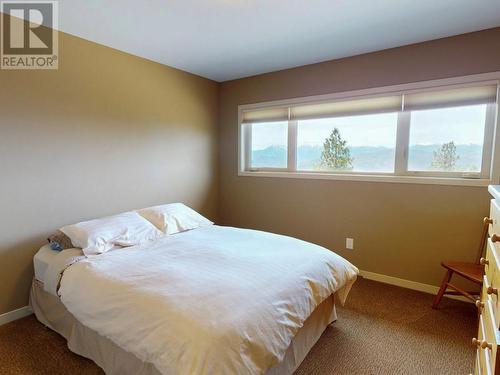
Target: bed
213,300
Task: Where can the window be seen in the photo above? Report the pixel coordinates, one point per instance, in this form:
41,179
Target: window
443,132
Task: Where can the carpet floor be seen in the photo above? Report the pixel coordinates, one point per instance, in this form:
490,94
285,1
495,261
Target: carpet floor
383,329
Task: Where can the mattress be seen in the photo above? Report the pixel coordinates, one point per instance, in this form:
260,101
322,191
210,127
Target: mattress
41,261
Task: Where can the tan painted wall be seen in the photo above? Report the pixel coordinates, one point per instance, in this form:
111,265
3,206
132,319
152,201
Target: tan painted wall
105,133
401,230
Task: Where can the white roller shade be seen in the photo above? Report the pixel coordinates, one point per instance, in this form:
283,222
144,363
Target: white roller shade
428,99
346,107
451,97
265,115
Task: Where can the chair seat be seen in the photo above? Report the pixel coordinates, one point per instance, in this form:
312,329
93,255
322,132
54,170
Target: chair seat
472,271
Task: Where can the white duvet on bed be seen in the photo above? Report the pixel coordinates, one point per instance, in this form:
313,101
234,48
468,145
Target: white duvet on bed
214,300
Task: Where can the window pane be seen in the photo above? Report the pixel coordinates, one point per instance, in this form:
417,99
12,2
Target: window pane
270,145
447,139
356,143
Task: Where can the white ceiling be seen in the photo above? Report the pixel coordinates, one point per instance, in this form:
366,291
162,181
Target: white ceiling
227,39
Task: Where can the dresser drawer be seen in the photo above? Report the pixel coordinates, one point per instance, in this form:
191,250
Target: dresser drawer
491,299
491,269
490,331
484,362
492,280
477,366
484,355
495,216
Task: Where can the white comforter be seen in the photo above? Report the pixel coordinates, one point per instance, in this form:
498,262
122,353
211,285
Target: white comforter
214,300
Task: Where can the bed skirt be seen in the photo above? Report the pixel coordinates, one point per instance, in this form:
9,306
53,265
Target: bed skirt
114,360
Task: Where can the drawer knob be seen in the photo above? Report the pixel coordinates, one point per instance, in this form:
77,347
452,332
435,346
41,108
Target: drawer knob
479,305
492,290
486,345
476,342
495,238
481,344
484,261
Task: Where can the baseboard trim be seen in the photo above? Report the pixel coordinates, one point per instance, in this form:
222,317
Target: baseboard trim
15,314
408,284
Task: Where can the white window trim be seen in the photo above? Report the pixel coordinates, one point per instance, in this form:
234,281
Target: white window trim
491,155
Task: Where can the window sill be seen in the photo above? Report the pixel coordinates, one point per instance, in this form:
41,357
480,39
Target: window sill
373,178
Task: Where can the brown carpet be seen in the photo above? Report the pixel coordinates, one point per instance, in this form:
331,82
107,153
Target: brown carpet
382,330
385,329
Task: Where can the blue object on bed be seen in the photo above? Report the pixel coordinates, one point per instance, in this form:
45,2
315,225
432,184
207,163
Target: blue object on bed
59,241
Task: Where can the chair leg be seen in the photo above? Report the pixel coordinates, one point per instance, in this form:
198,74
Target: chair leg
444,285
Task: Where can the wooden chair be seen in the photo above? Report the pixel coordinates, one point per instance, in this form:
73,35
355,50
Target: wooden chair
471,271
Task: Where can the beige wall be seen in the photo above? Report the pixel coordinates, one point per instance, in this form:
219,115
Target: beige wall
401,230
105,133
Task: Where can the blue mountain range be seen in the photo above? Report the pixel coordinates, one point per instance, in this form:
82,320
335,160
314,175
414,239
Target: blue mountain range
366,158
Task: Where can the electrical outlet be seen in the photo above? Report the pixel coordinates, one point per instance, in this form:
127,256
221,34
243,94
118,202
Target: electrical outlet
349,243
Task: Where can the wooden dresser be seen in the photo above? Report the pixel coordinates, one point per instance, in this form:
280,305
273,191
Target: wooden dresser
488,336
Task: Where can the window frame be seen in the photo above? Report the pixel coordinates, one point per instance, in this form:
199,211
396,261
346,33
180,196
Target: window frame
490,173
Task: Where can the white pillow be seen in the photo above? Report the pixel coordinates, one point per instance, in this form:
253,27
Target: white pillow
100,235
174,217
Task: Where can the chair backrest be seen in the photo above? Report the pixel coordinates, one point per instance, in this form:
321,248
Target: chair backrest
484,235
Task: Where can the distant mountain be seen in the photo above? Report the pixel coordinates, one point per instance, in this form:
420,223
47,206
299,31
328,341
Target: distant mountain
272,156
379,159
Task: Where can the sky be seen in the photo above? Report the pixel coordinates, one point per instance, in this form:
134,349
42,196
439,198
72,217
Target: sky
463,125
